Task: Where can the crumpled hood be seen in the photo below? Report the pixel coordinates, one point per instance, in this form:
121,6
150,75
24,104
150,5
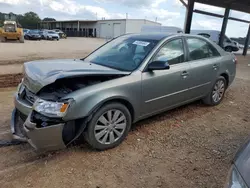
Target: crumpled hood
242,162
38,74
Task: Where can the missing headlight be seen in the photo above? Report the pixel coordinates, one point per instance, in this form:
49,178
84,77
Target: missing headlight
44,121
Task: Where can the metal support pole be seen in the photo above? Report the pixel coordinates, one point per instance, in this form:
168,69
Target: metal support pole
246,42
224,27
189,16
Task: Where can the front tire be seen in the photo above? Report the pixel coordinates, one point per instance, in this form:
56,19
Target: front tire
217,94
108,127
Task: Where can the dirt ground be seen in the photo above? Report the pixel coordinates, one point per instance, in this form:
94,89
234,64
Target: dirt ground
191,146
65,48
14,54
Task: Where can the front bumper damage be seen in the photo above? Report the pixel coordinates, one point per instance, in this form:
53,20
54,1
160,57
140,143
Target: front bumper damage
42,139
46,138
57,135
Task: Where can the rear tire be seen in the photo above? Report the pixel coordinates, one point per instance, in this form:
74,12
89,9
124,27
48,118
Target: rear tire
108,127
217,93
228,49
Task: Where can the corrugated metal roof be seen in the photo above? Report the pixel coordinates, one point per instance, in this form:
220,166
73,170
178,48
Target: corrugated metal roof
239,5
96,20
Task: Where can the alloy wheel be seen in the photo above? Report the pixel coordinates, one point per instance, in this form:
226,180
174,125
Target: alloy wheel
110,126
218,91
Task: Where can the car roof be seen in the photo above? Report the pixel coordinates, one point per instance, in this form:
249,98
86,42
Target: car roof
160,36
152,36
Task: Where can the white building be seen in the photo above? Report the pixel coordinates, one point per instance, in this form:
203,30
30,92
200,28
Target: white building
98,28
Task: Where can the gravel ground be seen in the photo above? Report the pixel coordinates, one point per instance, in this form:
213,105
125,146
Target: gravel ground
191,146
72,47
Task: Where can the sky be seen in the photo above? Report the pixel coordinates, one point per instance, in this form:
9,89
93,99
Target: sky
166,12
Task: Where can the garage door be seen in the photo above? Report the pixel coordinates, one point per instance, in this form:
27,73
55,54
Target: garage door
103,30
117,29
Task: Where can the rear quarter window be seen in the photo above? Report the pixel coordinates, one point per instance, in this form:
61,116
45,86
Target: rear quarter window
201,49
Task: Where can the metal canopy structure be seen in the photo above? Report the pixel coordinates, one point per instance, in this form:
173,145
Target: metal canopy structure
238,5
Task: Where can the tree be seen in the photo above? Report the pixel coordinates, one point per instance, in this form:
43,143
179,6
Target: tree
29,20
49,19
1,19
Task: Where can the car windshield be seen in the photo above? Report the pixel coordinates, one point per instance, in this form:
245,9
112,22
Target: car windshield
125,53
51,32
34,31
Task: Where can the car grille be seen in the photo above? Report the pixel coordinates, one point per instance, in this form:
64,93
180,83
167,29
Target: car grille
29,96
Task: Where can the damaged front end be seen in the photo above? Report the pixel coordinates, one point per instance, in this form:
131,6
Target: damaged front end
38,116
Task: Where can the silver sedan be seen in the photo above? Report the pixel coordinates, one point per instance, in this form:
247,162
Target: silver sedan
128,79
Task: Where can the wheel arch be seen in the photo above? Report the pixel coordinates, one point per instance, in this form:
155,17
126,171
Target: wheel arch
226,76
121,100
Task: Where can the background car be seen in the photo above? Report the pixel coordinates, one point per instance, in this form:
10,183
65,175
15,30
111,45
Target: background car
50,35
228,44
239,174
42,32
25,31
33,35
60,33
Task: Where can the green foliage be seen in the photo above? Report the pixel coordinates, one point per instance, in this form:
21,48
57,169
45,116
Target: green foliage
29,20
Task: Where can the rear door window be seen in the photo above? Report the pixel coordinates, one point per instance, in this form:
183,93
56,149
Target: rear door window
200,49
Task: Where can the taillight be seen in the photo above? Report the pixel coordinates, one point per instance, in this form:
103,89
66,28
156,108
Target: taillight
235,60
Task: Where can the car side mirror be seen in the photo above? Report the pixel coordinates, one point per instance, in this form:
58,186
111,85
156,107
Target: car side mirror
158,65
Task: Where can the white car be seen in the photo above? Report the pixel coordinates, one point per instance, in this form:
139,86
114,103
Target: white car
160,29
228,44
60,33
50,35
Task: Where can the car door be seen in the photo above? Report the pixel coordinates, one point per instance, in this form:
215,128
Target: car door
163,89
204,62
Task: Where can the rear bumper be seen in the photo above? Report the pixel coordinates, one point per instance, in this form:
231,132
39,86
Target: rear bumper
231,79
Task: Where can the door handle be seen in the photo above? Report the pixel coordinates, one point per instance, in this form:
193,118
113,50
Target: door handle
184,74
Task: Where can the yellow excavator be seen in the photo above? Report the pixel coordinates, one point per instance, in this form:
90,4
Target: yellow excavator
10,31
